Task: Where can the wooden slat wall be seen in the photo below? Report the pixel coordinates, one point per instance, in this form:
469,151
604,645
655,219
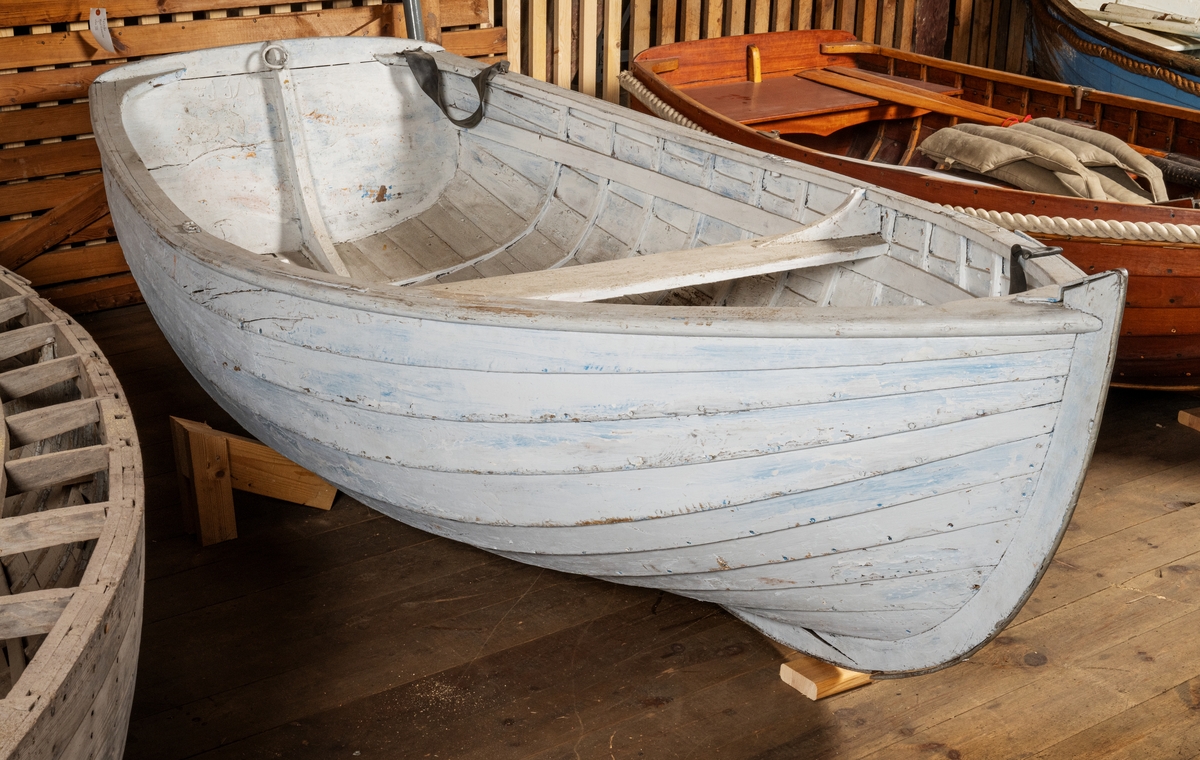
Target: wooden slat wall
984,32
52,229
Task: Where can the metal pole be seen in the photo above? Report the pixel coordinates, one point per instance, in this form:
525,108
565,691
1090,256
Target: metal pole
412,16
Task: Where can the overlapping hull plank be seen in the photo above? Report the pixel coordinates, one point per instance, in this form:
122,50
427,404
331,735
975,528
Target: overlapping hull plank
71,538
878,482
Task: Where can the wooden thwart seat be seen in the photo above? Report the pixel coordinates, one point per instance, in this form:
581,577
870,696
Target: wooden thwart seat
870,84
777,98
791,97
851,232
796,103
33,612
38,530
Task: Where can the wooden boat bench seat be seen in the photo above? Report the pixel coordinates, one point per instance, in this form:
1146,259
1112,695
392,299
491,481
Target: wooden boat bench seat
794,104
779,98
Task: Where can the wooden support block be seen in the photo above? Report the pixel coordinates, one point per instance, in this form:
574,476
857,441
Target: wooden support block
206,489
817,679
211,464
1190,417
260,469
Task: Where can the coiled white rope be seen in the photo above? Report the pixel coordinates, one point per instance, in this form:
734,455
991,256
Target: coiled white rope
1105,229
1110,229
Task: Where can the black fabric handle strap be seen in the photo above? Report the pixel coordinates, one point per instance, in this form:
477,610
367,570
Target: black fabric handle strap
1016,270
425,70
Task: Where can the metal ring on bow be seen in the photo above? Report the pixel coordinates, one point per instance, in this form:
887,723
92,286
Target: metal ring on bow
282,57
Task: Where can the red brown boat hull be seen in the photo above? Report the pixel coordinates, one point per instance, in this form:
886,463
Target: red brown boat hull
1160,336
1160,331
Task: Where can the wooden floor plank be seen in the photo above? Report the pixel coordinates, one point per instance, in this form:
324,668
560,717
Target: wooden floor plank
546,605
1165,726
680,642
318,634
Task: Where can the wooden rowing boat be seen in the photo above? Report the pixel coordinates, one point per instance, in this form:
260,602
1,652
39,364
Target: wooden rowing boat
71,538
1066,45
590,341
1168,24
862,110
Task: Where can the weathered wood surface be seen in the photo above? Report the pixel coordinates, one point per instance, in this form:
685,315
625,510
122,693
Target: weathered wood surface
546,403
71,538
877,140
431,647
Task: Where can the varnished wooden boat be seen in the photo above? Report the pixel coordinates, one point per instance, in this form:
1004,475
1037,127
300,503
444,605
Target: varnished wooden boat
71,538
1068,46
863,122
584,339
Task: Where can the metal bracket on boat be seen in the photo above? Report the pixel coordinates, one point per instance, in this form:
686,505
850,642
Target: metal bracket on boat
1020,254
275,57
1080,93
429,77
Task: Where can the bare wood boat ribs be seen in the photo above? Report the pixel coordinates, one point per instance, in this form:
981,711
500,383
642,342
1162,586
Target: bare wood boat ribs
589,341
71,537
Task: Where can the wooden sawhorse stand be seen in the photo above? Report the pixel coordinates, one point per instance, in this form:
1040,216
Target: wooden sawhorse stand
211,464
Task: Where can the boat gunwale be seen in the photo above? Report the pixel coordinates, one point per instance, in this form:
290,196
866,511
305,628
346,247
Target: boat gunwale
999,198
151,202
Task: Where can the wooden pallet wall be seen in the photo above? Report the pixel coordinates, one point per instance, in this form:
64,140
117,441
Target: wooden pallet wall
54,224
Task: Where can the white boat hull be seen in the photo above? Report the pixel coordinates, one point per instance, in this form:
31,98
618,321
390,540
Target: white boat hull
880,487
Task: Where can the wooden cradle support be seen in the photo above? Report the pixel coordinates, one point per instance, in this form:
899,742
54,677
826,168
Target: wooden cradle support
817,679
211,464
1190,417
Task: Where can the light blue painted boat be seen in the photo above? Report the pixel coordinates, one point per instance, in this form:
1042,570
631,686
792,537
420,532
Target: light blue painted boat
604,344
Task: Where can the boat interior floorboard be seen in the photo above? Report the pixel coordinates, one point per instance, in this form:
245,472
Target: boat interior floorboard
325,634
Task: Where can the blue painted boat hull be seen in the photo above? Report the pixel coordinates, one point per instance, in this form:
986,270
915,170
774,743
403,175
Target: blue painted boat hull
1056,59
